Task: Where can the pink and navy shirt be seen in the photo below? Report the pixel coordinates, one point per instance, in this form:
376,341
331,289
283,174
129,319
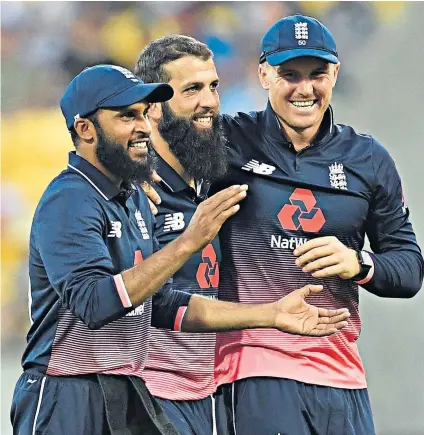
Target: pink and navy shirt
345,185
85,232
180,365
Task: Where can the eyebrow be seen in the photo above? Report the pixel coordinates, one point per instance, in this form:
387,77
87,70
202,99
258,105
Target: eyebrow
190,84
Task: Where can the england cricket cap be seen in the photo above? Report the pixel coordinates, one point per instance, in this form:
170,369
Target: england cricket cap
297,36
104,86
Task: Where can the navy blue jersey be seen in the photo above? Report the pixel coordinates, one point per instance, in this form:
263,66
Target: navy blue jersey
85,232
180,365
345,185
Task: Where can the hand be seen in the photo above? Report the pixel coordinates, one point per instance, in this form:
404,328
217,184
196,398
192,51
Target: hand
295,316
152,196
211,214
327,256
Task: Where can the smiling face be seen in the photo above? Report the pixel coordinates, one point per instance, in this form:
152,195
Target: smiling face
195,83
191,124
300,90
123,141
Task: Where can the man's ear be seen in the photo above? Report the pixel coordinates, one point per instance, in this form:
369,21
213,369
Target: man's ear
336,73
155,112
85,129
263,75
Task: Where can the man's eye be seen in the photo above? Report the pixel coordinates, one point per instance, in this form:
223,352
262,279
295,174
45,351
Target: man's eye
214,86
192,89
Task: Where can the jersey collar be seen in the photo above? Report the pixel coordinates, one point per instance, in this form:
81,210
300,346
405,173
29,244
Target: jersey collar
275,131
172,181
99,181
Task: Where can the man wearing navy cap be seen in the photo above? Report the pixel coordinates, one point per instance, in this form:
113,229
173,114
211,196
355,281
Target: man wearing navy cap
95,269
315,190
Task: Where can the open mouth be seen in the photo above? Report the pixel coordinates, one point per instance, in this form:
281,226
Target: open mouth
203,122
140,146
304,104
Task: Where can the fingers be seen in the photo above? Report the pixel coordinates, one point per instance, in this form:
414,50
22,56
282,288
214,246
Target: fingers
151,193
332,318
308,289
153,208
311,244
225,200
155,177
314,254
322,330
230,203
321,263
324,312
337,269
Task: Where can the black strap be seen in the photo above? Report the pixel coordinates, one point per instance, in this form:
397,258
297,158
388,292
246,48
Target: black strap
131,409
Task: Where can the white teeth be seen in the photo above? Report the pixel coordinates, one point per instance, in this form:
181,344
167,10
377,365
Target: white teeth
138,144
205,120
303,103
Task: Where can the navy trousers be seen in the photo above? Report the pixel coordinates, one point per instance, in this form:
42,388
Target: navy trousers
272,406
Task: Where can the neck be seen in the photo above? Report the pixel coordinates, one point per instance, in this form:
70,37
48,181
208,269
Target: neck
162,148
300,137
91,158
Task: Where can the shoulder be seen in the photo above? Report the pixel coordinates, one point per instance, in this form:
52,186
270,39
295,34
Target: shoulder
359,142
69,193
241,119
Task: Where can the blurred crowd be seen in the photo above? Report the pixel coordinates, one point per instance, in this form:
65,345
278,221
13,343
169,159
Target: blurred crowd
45,44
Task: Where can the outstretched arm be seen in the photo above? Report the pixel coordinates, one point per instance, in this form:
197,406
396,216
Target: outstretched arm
290,314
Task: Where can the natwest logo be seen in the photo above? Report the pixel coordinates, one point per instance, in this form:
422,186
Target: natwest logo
302,213
208,271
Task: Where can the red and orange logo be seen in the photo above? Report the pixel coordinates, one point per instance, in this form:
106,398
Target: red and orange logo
208,271
301,212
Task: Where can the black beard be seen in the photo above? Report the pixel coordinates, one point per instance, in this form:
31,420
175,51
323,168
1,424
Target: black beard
203,154
117,160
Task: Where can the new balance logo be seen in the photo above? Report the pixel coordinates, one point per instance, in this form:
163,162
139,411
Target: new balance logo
259,168
32,381
116,230
174,222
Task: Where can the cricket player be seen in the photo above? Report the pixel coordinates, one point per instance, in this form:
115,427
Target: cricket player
189,141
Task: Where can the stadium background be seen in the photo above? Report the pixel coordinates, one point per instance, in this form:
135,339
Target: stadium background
381,46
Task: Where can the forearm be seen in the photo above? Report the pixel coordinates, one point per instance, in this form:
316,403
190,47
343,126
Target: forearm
209,315
397,274
146,278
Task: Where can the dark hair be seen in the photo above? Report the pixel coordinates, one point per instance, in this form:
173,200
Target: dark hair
93,117
153,58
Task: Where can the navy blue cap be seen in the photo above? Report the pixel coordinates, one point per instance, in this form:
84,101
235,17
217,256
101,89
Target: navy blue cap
103,86
297,36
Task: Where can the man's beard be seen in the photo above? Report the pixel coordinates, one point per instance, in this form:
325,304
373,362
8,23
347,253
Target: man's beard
202,153
118,161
